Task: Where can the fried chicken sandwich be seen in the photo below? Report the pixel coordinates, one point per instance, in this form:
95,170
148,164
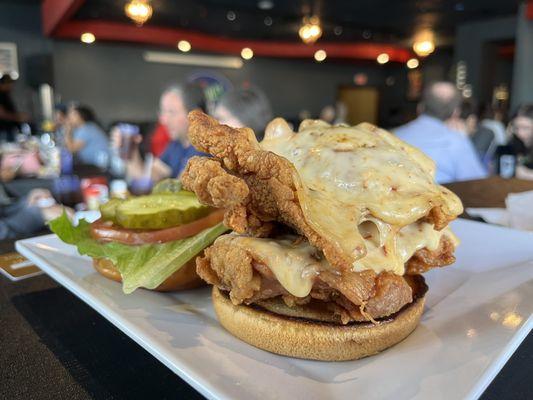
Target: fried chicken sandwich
332,228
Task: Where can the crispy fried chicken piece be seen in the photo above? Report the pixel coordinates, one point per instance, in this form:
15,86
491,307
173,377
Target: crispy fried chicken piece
271,196
423,260
391,292
218,188
229,268
269,177
358,296
214,185
357,287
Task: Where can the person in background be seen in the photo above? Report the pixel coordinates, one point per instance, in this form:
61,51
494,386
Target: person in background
60,121
490,133
175,104
60,117
27,215
492,118
521,129
159,140
334,115
10,118
245,108
464,120
341,113
453,153
327,114
84,137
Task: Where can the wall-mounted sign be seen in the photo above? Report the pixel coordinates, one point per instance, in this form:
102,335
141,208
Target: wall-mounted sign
213,84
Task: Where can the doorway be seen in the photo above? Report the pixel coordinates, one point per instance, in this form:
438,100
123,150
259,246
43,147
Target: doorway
362,103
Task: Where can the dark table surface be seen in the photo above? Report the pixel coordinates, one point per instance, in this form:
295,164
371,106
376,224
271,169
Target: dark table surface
22,186
55,346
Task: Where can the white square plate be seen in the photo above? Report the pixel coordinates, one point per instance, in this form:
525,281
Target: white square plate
478,311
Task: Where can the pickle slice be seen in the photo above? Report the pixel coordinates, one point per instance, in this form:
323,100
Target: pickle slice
169,185
159,211
109,209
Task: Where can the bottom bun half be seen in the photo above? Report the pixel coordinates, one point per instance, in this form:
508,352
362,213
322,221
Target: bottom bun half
310,339
182,279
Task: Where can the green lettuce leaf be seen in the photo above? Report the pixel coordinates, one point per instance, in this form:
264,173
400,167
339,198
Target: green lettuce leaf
140,266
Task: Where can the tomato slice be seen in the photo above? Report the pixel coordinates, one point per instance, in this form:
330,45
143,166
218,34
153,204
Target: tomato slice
105,231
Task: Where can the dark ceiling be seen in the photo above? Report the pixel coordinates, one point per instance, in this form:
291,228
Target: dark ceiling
343,20
31,2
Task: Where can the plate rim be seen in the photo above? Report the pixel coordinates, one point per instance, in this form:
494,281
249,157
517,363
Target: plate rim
198,383
203,385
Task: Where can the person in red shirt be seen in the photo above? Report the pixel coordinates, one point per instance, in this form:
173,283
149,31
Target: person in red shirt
159,140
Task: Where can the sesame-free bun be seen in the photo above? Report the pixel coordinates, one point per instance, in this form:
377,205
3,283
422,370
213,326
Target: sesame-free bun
303,336
184,278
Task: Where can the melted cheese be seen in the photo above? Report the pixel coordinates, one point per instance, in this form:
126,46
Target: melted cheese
388,250
294,264
346,176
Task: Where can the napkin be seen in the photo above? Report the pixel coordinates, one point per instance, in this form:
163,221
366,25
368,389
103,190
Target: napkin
520,210
497,216
518,213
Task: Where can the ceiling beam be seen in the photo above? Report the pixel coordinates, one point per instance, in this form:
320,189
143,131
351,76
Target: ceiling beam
152,35
56,12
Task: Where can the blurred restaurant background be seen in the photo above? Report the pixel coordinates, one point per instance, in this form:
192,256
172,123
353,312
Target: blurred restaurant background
484,47
94,96
85,85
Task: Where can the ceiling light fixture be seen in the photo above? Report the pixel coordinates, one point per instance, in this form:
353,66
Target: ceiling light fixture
184,45
87,37
383,58
265,5
424,48
467,91
247,53
360,79
412,63
231,16
320,55
310,31
193,59
139,11
424,43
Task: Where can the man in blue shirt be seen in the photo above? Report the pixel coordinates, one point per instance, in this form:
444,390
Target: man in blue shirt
176,156
453,153
175,104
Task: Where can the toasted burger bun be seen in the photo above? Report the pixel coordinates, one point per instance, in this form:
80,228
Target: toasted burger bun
184,278
305,337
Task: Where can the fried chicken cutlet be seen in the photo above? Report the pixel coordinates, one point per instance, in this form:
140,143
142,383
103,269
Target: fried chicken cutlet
259,188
